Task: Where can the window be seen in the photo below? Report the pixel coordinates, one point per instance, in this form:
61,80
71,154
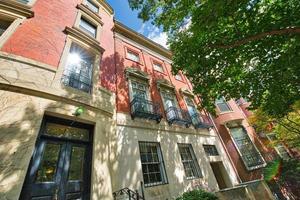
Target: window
210,150
78,71
152,164
92,6
279,147
250,155
189,161
4,24
23,1
88,27
158,67
222,105
178,77
133,56
139,89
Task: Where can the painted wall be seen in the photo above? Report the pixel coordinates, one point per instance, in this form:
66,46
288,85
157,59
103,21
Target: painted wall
127,170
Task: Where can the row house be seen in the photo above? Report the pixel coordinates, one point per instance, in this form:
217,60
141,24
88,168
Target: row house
91,110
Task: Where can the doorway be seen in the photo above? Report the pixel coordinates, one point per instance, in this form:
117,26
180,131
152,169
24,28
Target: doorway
60,167
221,175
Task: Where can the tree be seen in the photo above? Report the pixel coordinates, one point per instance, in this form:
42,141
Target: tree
287,128
234,48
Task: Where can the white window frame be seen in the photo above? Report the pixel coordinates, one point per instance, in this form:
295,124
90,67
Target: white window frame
86,2
131,79
194,162
160,66
132,52
240,153
161,164
224,102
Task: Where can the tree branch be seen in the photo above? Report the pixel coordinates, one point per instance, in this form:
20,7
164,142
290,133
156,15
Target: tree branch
285,31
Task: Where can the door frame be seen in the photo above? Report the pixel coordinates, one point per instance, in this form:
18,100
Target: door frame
71,123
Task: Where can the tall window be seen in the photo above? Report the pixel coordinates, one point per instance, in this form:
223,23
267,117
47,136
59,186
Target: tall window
169,101
189,161
133,56
248,151
222,105
79,68
152,164
158,67
139,89
192,110
4,24
91,5
88,27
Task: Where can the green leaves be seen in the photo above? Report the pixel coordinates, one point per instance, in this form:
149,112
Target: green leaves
237,48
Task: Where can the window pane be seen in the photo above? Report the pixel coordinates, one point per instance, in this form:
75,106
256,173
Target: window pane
4,24
178,77
67,131
47,168
88,27
189,161
133,56
79,68
91,5
222,105
76,165
152,164
210,150
249,153
158,67
23,1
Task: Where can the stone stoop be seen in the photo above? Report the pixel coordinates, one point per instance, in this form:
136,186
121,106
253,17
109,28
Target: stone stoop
254,190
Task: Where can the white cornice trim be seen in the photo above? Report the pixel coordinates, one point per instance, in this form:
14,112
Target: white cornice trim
143,48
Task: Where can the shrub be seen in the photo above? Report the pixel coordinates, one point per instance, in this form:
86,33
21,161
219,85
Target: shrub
197,195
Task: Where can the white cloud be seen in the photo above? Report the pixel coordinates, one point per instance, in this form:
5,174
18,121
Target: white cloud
154,34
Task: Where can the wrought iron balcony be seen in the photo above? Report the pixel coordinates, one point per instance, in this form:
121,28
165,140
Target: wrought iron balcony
127,193
201,121
178,116
145,109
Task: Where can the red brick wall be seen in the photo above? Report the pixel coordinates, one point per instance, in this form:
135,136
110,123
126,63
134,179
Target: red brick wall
41,38
146,66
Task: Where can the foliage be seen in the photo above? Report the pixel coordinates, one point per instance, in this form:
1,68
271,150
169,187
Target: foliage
236,48
197,195
287,128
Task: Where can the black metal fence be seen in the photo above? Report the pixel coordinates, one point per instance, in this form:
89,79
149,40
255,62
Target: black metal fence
178,116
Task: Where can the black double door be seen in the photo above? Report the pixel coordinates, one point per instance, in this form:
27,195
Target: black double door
60,166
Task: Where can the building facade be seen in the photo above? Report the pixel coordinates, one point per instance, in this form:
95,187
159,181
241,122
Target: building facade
90,107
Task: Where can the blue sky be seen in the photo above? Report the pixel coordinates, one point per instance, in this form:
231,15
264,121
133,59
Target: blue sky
130,18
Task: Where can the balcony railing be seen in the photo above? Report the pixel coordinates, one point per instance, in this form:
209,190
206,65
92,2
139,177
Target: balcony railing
145,109
178,116
127,193
201,121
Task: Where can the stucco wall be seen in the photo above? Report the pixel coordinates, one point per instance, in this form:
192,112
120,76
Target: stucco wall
127,170
27,93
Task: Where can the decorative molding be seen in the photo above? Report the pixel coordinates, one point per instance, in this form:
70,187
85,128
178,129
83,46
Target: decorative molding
134,72
106,6
87,11
16,8
163,83
80,35
136,37
234,123
186,92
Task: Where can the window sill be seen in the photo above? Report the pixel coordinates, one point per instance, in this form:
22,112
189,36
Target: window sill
226,112
151,185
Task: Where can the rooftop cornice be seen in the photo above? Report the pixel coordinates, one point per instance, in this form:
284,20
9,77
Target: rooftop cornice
139,38
17,8
106,6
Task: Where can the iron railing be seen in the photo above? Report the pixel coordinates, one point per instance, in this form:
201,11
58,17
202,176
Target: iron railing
127,194
77,80
143,108
178,116
201,121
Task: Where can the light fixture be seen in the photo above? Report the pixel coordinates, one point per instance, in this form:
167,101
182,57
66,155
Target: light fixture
79,110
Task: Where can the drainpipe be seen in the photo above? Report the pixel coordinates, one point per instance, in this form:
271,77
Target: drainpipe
223,144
